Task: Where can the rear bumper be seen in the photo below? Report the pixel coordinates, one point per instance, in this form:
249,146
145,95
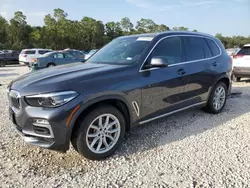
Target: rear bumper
241,71
24,63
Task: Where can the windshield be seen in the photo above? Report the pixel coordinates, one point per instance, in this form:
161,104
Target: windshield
122,51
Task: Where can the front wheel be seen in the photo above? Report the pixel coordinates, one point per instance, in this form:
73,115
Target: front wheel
99,133
217,99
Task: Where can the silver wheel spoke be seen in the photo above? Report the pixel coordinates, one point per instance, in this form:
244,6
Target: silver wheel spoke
106,121
92,135
105,142
100,122
110,137
94,141
112,131
99,145
111,124
94,127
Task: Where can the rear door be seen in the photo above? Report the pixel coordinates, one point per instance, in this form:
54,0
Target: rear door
199,58
69,58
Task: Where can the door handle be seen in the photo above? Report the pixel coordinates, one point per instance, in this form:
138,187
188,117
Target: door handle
214,64
181,72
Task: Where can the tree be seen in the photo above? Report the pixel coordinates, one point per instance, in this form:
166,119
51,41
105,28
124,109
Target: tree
59,32
19,31
126,25
3,31
180,28
146,26
113,30
162,27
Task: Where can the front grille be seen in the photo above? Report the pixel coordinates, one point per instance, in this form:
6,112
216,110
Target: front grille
15,101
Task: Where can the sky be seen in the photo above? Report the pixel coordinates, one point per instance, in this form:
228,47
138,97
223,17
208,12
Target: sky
229,17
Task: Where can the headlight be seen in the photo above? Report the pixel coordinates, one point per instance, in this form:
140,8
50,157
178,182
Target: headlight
51,99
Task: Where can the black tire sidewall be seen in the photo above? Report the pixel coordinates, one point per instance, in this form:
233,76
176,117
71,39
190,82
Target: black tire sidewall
51,65
210,102
235,78
81,144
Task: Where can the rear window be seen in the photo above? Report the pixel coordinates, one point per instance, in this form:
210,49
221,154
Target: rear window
213,46
29,52
196,48
43,51
244,51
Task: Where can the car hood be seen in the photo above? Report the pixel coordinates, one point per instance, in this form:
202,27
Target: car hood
59,77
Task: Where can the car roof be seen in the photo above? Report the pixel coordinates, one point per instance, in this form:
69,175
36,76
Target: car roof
165,33
36,49
247,45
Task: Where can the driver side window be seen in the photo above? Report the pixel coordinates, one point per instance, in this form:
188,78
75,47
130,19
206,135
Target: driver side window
170,49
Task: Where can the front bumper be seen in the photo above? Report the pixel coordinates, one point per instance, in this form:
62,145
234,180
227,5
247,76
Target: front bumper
53,134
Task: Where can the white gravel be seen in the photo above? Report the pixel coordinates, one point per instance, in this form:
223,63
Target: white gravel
188,149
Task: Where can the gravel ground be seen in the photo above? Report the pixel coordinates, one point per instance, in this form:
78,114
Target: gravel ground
188,149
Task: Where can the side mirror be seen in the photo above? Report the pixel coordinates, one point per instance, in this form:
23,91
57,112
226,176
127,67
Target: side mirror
159,62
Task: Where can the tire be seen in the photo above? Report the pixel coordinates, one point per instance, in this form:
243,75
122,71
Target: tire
82,143
51,65
2,64
211,106
236,78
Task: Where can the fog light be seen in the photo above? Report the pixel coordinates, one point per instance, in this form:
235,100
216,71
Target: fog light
42,127
41,121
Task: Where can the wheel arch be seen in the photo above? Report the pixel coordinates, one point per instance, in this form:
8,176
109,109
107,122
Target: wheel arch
119,102
51,63
224,78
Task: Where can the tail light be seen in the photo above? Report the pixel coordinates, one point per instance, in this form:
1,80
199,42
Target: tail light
231,60
25,55
238,56
35,60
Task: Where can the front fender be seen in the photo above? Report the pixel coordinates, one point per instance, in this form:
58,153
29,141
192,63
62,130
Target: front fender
92,101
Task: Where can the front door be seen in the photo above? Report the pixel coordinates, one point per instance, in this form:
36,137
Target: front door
165,88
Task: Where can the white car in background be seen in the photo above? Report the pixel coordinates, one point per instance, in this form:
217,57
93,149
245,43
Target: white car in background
241,64
27,56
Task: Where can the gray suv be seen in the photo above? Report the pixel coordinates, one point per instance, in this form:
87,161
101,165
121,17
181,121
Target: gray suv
130,81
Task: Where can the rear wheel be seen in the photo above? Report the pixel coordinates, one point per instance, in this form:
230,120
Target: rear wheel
236,78
51,65
100,133
217,99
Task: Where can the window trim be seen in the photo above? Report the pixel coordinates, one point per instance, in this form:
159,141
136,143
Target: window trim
181,63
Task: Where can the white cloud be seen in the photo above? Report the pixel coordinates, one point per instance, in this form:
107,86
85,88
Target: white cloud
147,4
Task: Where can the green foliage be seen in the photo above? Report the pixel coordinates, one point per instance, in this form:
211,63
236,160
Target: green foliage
59,32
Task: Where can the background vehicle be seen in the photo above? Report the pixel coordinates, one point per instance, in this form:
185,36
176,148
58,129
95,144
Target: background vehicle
9,58
232,51
76,53
27,56
132,80
92,52
51,59
241,64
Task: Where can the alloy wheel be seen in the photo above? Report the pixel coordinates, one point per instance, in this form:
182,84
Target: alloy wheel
219,97
103,133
